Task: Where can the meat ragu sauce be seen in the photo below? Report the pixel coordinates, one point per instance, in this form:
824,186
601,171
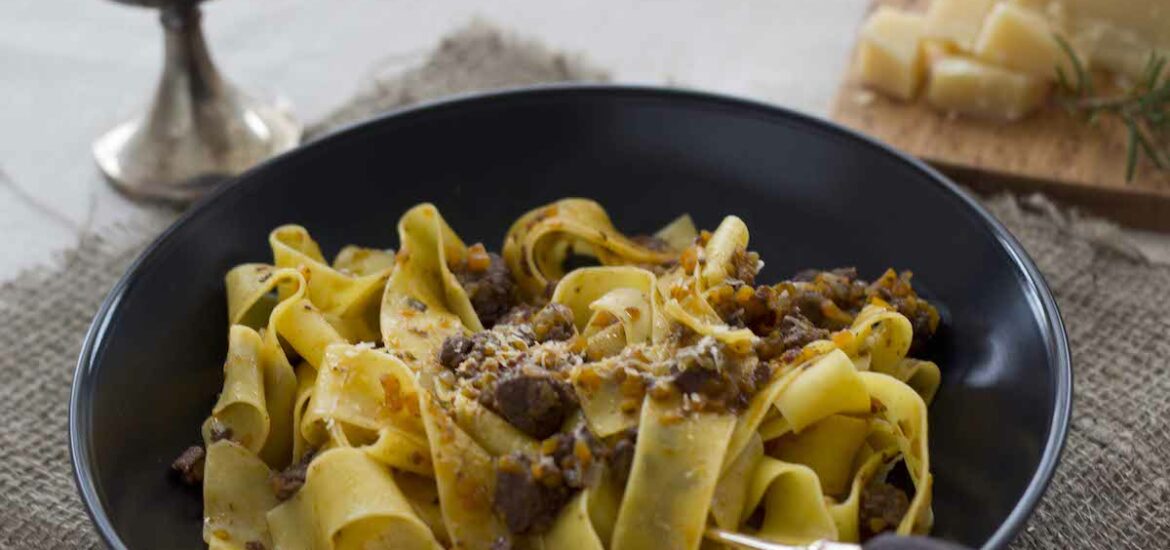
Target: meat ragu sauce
654,345
532,362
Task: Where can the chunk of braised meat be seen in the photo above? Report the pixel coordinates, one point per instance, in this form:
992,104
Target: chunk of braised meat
530,490
882,508
536,404
519,314
291,479
553,322
189,465
454,350
488,283
712,377
794,332
528,503
745,265
578,456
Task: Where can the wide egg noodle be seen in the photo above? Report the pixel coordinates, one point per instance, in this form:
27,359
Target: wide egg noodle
905,411
466,480
603,502
368,399
601,398
361,262
679,233
423,495
827,386
242,407
629,294
236,497
748,421
847,513
348,502
729,238
338,292
731,493
250,296
684,293
494,434
538,243
348,299
424,302
672,479
572,529
828,448
247,285
795,509
311,435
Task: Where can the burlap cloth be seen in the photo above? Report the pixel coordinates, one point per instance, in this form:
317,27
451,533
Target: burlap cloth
1112,489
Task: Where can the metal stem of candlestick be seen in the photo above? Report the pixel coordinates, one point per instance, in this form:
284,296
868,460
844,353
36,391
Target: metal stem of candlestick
199,130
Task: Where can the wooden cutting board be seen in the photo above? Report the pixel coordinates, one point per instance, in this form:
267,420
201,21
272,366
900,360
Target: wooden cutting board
1050,151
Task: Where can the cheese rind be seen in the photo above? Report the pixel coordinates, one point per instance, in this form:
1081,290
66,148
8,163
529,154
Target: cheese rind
1022,39
957,21
890,59
971,87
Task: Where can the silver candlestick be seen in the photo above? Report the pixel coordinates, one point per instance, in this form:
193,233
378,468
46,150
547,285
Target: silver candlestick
199,130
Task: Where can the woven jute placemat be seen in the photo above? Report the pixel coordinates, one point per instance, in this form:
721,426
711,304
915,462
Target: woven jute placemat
1112,489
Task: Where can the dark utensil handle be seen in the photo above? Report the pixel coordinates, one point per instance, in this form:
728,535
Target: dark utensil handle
894,542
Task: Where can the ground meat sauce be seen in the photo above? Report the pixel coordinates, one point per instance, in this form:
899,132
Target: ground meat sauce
882,508
189,465
710,377
531,490
488,283
520,371
788,315
553,323
744,266
795,332
291,479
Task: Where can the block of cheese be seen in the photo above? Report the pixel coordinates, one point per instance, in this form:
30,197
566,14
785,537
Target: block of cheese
934,49
1023,39
889,57
1117,35
971,87
957,21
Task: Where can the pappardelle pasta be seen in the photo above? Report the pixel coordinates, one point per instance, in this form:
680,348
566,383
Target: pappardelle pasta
447,397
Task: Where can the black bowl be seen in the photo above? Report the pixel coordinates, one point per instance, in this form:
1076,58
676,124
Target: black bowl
813,194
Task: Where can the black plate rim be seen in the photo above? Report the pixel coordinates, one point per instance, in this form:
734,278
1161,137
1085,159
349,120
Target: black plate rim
1043,302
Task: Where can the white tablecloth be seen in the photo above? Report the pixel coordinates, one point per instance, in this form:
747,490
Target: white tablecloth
69,71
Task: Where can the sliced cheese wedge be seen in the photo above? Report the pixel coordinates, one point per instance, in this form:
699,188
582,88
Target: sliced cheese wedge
889,57
970,87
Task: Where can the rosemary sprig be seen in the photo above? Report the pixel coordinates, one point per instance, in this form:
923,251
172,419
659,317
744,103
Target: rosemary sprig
1144,107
